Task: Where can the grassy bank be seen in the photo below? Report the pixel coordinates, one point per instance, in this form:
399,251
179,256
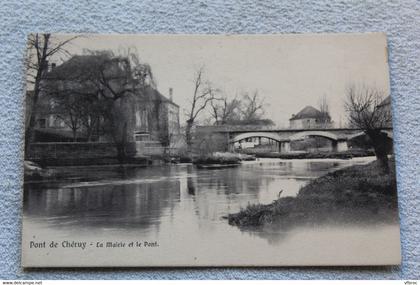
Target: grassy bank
361,191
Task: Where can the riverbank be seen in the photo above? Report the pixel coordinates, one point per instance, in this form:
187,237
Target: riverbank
223,158
308,155
361,189
38,169
106,160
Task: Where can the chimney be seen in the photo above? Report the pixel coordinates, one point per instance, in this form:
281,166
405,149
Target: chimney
171,91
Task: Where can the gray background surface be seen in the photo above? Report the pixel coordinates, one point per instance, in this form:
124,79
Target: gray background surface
399,19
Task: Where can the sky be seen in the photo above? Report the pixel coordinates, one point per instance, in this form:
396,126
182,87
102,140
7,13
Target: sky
289,71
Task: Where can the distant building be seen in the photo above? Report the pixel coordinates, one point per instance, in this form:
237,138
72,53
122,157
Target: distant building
310,118
151,115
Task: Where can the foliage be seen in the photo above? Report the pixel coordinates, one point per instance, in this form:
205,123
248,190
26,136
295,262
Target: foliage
219,158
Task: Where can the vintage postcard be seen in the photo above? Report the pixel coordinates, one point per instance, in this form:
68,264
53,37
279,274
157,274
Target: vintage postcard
208,150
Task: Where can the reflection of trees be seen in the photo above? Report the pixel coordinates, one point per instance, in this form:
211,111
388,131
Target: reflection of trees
356,196
191,186
138,204
217,192
226,190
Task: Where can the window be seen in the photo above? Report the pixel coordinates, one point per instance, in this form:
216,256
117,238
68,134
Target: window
138,118
58,122
141,119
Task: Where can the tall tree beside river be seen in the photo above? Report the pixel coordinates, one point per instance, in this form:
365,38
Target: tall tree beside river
41,47
203,94
364,112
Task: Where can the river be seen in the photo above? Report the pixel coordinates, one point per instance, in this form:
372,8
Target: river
178,210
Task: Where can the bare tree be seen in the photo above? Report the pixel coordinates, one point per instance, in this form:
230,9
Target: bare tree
324,118
203,94
41,47
67,107
252,107
74,95
91,113
364,112
224,110
248,111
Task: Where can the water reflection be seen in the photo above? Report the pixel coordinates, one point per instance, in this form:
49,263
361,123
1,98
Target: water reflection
182,208
131,205
141,197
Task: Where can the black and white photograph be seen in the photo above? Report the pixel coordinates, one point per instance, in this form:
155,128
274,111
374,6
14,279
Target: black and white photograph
208,150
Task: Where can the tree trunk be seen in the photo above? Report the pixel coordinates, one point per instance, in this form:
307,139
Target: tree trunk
89,135
30,130
188,135
122,145
74,135
379,142
90,128
42,61
89,131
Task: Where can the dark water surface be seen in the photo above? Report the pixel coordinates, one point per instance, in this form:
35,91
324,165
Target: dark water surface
179,208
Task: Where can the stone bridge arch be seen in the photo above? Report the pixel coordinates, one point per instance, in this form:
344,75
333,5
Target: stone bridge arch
339,144
304,134
267,135
387,132
284,145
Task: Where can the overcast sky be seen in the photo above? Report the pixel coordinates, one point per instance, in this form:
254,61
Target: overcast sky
290,71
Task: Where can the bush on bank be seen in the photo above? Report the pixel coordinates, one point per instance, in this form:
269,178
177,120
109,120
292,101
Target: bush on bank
223,158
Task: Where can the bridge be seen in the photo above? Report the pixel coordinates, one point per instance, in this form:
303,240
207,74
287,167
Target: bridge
237,134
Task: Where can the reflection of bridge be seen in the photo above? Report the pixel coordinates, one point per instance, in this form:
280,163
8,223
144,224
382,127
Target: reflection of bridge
339,136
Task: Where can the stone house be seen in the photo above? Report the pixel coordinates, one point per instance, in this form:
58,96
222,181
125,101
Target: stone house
310,118
156,117
150,115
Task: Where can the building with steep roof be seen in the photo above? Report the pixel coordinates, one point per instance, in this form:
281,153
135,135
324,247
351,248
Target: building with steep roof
310,118
149,114
156,116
